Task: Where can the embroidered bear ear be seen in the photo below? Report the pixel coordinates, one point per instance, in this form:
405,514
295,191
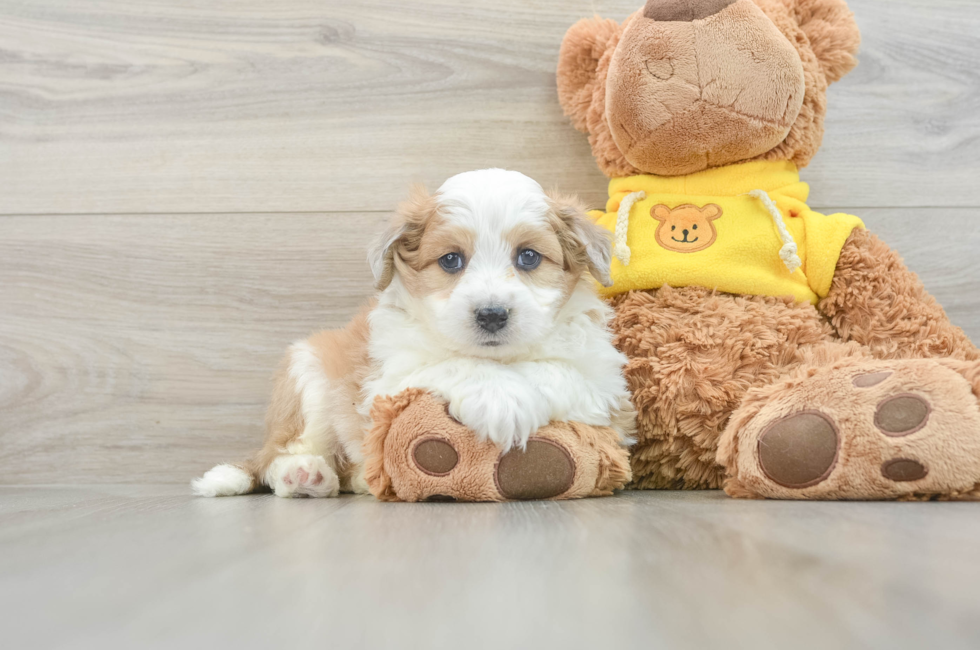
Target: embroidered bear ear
660,212
711,211
833,33
578,61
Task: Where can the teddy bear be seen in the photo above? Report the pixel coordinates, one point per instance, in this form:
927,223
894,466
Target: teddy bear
416,452
773,351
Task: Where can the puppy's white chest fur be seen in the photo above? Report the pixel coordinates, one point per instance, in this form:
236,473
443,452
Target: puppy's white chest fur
572,374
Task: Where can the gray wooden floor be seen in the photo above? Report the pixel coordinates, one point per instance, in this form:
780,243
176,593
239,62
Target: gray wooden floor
149,567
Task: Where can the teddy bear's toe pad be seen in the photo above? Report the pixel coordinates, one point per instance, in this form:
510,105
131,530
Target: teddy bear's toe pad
871,379
543,471
903,469
902,415
799,450
440,498
435,456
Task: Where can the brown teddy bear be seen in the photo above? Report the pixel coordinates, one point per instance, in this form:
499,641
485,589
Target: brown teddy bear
774,351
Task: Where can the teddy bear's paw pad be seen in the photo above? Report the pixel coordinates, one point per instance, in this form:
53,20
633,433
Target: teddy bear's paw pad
439,498
902,470
871,379
435,456
799,450
543,470
902,415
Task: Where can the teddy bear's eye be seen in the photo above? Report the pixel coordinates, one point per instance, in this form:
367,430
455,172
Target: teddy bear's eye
695,227
673,227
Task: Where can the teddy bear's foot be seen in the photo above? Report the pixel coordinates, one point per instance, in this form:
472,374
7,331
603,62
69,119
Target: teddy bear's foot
418,452
859,429
544,470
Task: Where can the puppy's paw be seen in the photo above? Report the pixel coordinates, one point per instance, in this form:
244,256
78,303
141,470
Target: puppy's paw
505,413
354,481
302,475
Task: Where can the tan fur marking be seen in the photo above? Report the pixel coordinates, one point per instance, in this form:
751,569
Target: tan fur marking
553,271
419,268
542,239
344,355
441,238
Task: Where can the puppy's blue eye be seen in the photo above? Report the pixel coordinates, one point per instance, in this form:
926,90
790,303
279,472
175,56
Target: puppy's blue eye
451,262
528,259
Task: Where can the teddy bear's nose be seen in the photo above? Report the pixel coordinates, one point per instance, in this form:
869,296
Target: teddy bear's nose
683,10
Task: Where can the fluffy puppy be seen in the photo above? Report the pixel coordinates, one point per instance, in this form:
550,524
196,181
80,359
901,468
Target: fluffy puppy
486,301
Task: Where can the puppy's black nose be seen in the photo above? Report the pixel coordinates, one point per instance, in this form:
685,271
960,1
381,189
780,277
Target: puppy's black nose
491,319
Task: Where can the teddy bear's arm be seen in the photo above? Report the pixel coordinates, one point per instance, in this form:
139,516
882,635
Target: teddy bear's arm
875,300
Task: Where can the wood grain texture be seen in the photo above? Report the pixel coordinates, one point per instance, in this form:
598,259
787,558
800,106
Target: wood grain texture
140,348
131,345
151,567
304,105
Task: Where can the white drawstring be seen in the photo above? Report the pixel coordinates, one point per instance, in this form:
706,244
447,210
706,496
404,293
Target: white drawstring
789,252
620,249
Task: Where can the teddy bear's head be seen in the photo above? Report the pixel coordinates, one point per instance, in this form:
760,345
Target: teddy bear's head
686,85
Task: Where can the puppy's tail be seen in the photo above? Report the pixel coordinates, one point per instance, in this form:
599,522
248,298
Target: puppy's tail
226,481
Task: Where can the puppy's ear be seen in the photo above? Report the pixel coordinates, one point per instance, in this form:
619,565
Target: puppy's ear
402,236
578,60
833,34
584,244
381,254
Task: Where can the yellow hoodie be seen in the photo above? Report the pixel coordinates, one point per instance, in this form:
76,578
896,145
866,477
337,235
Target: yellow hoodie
742,229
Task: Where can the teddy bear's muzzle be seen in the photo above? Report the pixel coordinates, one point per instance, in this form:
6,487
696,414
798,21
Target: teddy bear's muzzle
685,93
683,10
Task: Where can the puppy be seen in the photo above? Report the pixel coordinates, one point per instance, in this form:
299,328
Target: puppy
486,301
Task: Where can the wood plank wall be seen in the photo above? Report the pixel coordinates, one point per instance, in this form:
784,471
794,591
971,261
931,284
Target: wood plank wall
186,186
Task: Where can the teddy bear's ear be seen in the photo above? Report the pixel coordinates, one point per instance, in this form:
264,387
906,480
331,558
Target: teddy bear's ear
583,46
833,34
